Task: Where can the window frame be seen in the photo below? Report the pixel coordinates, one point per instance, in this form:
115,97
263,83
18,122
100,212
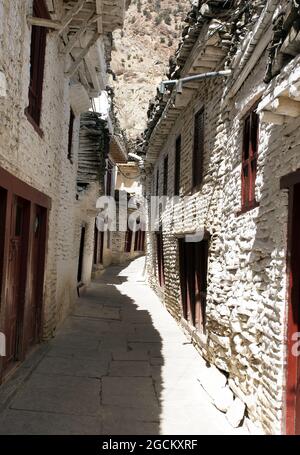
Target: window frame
37,66
198,148
177,173
250,148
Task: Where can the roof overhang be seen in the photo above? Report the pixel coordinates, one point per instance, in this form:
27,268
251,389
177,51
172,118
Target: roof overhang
207,55
117,151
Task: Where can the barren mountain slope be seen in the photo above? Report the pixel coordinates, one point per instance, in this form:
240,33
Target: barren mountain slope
141,56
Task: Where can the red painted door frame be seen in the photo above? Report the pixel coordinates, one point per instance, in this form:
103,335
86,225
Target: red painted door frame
13,188
292,392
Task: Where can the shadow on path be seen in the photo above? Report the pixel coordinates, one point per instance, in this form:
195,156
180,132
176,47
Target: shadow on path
100,375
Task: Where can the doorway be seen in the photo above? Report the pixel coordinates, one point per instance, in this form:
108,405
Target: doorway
16,279
193,260
37,265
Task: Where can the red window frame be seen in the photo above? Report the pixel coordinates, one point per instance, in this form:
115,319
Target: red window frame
198,149
249,160
37,64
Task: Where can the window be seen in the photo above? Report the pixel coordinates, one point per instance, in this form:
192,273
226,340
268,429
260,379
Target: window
249,160
198,148
177,166
160,258
193,260
37,63
166,171
71,130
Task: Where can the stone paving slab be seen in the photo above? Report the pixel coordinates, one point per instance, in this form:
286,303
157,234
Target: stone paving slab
74,366
129,368
129,392
16,422
59,394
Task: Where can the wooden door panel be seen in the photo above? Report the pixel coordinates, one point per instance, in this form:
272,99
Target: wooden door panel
293,364
13,283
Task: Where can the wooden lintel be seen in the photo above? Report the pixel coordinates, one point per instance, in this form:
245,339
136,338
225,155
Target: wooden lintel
41,22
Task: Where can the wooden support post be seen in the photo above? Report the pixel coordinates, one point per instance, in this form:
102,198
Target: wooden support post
82,54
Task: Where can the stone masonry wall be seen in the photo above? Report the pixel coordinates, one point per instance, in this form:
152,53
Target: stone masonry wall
41,161
246,295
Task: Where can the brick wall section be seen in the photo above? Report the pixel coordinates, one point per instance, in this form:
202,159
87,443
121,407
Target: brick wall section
246,295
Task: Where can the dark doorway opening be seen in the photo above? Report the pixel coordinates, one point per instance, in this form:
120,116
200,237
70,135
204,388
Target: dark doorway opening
193,260
81,254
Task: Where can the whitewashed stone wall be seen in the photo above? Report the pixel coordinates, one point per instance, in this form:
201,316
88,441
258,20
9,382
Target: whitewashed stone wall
246,295
41,161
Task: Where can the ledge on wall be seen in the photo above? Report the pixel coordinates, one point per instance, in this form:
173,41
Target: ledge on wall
282,99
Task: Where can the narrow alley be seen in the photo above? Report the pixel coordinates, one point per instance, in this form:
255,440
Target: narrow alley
119,365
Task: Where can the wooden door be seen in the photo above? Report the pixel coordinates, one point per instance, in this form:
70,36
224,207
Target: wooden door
193,257
293,364
16,278
38,247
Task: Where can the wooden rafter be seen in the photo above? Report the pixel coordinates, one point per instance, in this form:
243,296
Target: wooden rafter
80,32
82,54
71,14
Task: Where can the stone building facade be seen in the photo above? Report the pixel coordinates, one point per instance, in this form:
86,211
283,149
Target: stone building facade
53,61
224,253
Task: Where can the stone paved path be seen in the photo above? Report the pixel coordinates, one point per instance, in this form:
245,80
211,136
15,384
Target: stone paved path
118,365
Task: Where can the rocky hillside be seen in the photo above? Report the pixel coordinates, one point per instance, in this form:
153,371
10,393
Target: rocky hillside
141,56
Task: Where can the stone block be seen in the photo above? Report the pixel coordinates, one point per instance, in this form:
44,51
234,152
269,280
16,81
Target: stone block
236,413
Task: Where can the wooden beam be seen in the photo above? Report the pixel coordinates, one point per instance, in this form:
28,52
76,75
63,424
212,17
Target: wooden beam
286,106
82,54
47,23
71,44
99,10
71,14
